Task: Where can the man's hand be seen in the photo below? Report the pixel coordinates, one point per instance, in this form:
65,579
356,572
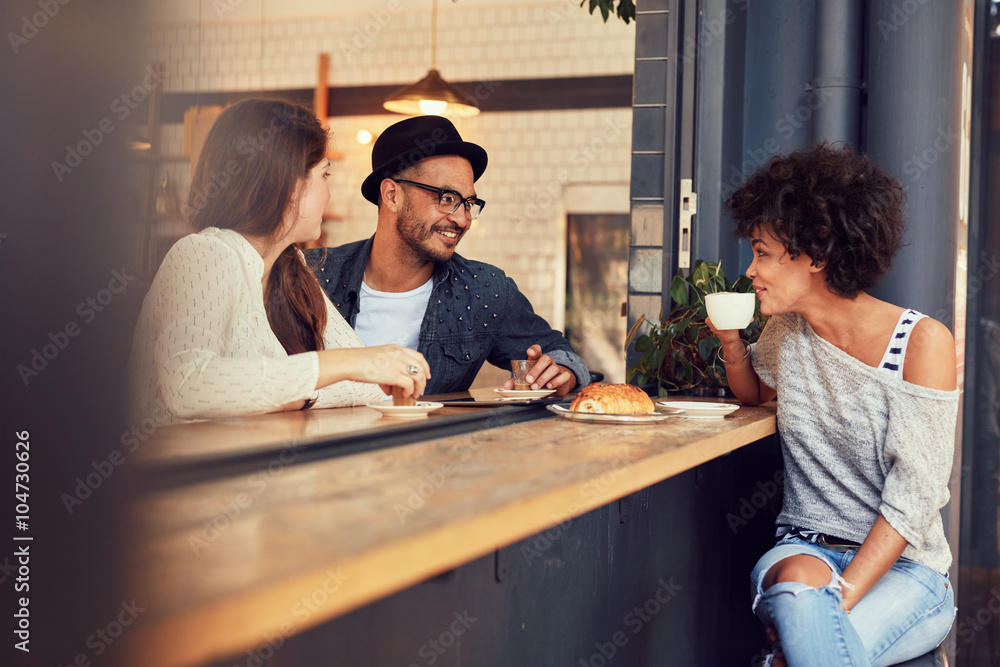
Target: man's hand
546,374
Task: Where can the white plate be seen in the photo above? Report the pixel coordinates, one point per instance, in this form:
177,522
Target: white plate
658,416
405,411
701,409
522,394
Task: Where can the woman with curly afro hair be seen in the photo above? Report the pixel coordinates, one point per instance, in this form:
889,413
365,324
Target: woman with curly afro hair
867,408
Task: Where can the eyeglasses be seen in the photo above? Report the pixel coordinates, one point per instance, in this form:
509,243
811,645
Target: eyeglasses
449,200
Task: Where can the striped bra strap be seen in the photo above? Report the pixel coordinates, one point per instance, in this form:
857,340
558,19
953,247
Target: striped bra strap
892,360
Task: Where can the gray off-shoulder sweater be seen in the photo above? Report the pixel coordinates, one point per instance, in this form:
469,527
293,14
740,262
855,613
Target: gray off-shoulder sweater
857,442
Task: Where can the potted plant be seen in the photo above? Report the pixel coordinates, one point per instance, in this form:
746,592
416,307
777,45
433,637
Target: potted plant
679,352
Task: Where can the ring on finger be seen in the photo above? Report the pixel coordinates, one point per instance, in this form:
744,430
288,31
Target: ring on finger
412,369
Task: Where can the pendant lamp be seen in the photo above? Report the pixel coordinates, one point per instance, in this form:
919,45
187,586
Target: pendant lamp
432,95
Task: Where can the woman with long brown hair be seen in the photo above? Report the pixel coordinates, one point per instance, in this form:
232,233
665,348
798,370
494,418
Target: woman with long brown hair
235,323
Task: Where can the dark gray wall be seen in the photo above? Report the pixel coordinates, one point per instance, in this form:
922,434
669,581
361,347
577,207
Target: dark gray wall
837,80
914,121
914,130
790,68
717,52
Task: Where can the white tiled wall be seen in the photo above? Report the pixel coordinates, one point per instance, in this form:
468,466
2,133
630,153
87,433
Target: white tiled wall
533,155
391,43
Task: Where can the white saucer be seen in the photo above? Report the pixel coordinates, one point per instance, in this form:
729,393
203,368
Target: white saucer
701,409
524,393
405,411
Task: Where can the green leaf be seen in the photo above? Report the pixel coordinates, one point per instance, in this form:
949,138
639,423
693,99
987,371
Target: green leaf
645,360
643,343
700,276
626,11
742,284
679,290
659,357
707,348
715,275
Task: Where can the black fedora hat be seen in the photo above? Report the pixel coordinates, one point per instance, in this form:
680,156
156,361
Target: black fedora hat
409,141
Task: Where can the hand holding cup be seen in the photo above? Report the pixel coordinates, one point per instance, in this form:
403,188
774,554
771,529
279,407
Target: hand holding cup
730,310
519,368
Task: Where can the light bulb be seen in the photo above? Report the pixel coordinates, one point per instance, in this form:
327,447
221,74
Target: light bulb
364,137
432,107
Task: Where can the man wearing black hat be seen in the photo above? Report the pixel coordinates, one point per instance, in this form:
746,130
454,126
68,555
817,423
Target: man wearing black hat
407,285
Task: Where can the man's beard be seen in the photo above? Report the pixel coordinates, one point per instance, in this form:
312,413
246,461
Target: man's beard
420,239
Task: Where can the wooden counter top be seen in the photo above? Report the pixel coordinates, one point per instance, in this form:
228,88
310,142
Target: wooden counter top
222,440
227,564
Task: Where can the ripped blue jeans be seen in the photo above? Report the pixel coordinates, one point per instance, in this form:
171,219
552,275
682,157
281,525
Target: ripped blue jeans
906,613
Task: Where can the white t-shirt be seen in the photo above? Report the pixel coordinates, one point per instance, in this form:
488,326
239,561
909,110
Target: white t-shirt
392,317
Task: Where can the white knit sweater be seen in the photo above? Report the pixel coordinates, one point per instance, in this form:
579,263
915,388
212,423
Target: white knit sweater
857,442
203,346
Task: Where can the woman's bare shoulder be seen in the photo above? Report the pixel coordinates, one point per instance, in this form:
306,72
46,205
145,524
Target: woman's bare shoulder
931,356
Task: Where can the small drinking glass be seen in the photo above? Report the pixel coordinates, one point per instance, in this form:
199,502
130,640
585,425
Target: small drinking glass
520,368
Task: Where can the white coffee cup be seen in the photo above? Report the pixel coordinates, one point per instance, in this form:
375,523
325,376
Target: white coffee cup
730,310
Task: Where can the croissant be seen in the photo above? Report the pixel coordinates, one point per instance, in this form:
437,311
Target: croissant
619,399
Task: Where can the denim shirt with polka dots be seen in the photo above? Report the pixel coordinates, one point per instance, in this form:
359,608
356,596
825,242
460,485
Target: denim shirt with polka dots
475,314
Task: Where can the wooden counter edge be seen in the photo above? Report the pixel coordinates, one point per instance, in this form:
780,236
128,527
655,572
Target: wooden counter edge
230,626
